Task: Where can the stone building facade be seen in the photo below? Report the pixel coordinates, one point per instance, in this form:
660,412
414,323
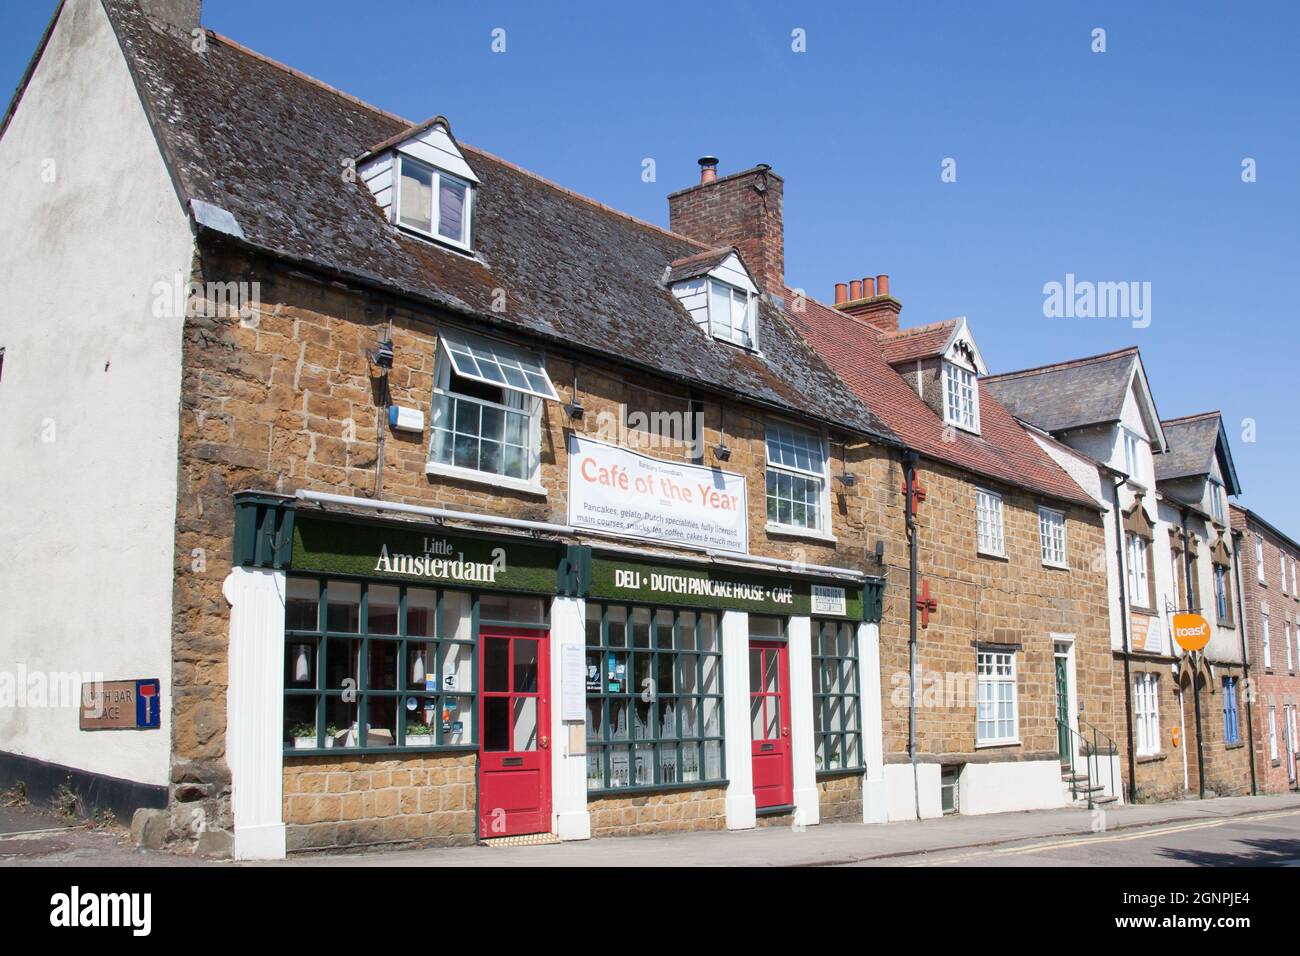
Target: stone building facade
1268,562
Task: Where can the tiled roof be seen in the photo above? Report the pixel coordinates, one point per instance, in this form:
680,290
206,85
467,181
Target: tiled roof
919,342
1003,450
702,263
267,144
1067,395
1193,442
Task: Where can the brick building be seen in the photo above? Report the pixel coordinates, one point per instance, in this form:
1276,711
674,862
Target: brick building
1165,487
1268,560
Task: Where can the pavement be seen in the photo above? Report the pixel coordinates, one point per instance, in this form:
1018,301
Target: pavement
1273,821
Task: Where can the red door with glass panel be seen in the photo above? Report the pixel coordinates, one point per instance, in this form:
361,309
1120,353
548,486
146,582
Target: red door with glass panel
514,795
769,722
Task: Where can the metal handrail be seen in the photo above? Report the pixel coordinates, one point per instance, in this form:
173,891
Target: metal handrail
1062,724
1112,750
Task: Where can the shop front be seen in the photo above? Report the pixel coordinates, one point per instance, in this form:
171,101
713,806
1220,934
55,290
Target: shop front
397,680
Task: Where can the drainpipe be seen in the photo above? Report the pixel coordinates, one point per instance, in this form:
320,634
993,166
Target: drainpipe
909,473
1120,480
1245,659
1196,670
383,357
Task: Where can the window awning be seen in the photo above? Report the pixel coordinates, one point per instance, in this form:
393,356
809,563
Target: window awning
495,363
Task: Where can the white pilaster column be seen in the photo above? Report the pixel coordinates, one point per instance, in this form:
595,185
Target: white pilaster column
874,798
735,708
570,819
807,806
255,711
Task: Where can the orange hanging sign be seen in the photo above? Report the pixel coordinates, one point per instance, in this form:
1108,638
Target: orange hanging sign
1191,631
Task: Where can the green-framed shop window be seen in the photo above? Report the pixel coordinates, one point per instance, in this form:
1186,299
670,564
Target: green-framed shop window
654,698
374,666
836,694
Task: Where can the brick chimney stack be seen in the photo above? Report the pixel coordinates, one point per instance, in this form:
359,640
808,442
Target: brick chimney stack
180,15
742,210
868,300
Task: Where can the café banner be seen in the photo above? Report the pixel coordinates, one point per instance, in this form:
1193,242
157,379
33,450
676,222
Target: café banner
622,492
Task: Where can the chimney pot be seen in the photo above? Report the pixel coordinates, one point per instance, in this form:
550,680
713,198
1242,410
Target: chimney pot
841,292
869,302
742,209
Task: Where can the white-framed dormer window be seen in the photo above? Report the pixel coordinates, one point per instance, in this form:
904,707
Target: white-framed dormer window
487,406
1216,503
731,313
1146,713
991,538
1133,455
997,719
797,484
960,397
1051,537
433,202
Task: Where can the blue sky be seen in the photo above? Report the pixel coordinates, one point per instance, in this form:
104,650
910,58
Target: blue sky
1117,166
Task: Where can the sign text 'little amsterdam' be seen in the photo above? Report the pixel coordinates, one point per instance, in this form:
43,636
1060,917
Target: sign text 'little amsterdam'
432,565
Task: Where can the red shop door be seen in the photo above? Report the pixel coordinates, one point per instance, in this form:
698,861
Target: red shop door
769,721
514,780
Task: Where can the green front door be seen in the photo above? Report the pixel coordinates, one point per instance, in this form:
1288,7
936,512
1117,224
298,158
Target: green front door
1062,709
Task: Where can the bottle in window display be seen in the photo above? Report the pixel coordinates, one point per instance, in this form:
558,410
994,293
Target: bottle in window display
713,760
690,766
618,768
644,768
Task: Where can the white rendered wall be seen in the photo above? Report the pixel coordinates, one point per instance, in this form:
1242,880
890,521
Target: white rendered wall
900,799
1013,785
90,396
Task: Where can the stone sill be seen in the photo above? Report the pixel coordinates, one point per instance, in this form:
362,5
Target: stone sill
482,478
1153,758
808,534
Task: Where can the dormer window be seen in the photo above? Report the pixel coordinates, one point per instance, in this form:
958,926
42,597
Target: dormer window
433,202
423,184
1133,455
719,294
960,397
731,313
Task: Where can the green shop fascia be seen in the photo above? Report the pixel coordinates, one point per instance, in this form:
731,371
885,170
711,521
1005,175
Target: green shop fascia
488,570
271,532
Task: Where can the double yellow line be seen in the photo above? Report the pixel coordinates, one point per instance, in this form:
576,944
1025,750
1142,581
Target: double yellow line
1109,838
